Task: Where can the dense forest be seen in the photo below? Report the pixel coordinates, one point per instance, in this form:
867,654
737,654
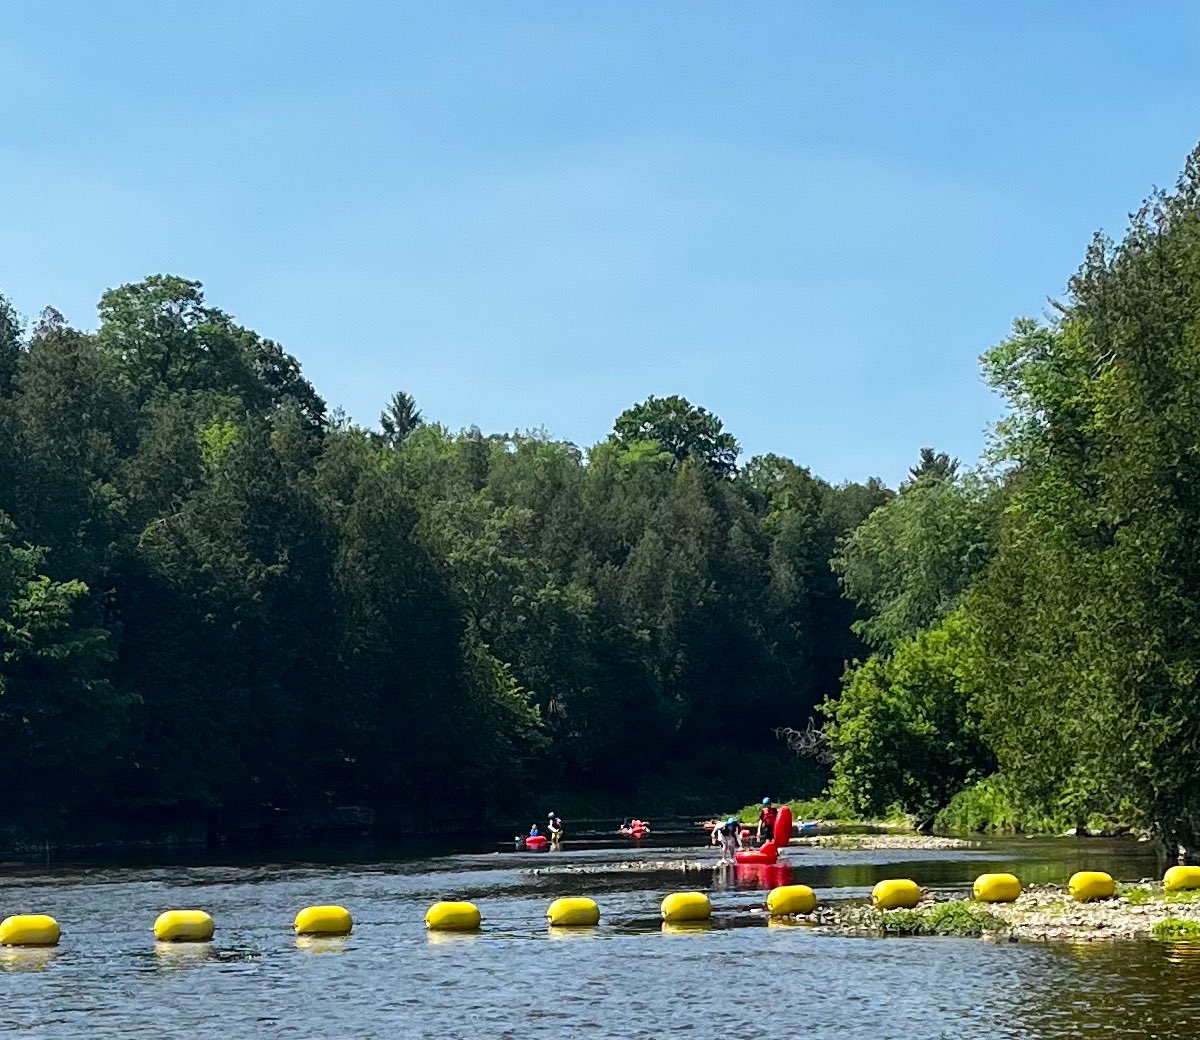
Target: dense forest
221,601
1036,623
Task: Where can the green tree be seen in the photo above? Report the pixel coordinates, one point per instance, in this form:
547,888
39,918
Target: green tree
911,561
399,418
682,429
904,732
58,711
1087,619
937,465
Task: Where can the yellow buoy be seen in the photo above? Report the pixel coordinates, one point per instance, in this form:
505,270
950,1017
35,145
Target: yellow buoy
686,906
453,917
573,912
29,930
997,888
324,920
1181,879
1087,885
791,899
896,893
183,926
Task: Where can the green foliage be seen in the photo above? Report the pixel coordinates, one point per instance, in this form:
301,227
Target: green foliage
58,711
990,806
283,612
1087,617
902,732
911,561
1177,929
956,917
680,429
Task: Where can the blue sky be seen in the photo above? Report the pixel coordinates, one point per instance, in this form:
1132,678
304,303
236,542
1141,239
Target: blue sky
811,219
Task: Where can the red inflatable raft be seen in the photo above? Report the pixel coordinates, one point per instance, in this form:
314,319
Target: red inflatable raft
767,854
783,827
536,842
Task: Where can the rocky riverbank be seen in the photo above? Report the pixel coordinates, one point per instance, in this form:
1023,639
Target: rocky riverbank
1043,913
852,842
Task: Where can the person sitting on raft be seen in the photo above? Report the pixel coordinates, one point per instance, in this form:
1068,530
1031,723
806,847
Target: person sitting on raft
766,822
555,826
533,831
729,836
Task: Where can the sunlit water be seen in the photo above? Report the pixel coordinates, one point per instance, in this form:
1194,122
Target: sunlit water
629,978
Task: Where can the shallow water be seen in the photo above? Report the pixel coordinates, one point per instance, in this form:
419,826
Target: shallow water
632,977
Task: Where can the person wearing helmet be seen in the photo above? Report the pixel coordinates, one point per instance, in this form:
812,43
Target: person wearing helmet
555,826
728,836
766,822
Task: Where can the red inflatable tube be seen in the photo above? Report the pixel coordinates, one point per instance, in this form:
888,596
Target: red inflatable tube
767,854
783,827
537,842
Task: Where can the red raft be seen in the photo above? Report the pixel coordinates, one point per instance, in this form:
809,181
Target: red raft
783,827
767,854
536,842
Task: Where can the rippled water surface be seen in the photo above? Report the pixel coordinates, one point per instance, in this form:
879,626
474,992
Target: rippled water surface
632,977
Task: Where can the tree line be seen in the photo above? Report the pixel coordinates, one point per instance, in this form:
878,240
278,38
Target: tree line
1034,622
218,597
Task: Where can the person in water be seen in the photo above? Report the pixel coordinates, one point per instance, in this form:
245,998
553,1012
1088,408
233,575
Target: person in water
555,826
729,836
766,821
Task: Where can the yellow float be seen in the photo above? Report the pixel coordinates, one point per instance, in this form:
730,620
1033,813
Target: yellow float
453,917
996,888
1181,879
686,906
1087,885
791,899
183,926
577,912
324,920
895,894
29,930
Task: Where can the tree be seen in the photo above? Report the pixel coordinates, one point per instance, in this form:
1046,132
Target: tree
904,732
10,345
933,465
1087,620
58,711
911,561
681,429
399,419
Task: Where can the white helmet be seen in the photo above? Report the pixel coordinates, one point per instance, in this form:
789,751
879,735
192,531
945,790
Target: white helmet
550,816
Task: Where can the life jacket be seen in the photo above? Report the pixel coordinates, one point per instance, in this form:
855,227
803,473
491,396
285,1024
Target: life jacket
768,815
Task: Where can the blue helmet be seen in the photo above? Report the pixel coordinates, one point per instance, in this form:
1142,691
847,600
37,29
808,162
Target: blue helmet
766,801
731,820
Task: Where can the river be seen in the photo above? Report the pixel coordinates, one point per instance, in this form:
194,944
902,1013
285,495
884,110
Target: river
628,978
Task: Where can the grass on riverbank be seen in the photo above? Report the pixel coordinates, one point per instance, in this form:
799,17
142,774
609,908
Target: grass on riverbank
988,807
1177,929
1144,895
957,917
828,810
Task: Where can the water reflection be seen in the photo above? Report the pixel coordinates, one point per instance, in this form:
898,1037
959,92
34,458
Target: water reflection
318,945
686,927
27,958
1185,953
180,956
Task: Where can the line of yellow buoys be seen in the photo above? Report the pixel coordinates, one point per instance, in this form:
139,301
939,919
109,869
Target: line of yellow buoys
183,926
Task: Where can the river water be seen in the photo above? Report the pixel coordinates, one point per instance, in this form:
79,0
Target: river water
632,977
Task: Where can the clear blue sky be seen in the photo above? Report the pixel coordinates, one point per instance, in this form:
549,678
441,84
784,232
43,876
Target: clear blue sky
809,219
